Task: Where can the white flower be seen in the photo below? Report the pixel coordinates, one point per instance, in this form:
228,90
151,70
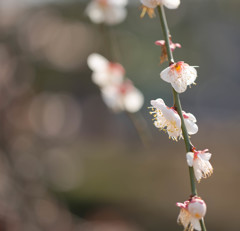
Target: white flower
191,212
105,72
149,5
199,160
123,97
110,12
180,75
167,119
118,93
190,123
171,4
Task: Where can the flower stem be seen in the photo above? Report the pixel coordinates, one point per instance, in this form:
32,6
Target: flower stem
177,102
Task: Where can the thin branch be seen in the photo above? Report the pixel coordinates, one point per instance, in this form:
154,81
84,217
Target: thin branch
177,102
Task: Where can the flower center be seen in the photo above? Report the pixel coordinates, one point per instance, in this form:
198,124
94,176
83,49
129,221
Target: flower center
197,215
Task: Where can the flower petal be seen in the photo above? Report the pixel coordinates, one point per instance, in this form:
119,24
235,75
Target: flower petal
97,62
191,74
171,4
191,127
118,2
166,76
179,84
115,15
195,223
149,3
94,12
133,100
206,156
190,156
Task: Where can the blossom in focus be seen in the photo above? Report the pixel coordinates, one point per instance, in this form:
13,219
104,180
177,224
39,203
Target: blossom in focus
191,212
110,12
105,72
167,119
149,5
161,43
180,75
190,123
199,160
123,97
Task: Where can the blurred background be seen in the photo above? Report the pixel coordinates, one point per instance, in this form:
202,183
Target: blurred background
68,163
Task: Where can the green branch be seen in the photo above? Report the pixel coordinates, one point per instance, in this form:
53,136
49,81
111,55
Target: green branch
177,102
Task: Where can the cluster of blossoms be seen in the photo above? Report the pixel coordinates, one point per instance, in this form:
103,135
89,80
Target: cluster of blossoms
117,92
180,75
110,12
120,94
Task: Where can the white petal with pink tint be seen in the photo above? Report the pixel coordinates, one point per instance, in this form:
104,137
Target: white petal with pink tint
171,4
105,72
123,97
180,75
190,123
107,11
199,160
166,119
191,212
133,100
97,62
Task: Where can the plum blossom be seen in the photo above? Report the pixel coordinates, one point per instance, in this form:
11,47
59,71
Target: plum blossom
110,12
167,119
199,160
180,75
123,97
190,123
105,72
118,92
191,212
161,43
149,5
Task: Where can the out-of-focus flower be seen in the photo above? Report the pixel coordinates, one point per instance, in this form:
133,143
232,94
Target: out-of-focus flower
118,93
149,5
105,72
167,119
110,12
199,160
161,43
191,212
180,75
123,97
